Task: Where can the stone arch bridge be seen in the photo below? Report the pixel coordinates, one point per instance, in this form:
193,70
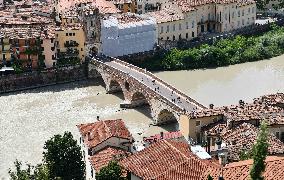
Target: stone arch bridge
141,87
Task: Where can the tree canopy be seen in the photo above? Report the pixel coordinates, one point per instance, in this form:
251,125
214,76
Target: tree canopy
63,157
260,151
39,172
111,171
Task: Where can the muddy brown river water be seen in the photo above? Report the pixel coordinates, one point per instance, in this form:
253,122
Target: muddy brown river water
29,118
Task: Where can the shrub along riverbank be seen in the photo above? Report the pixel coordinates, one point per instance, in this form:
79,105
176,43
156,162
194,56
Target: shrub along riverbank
222,53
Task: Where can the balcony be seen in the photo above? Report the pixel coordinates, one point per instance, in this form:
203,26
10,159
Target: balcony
69,44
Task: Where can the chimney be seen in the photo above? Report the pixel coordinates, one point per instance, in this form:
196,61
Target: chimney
89,136
98,118
162,135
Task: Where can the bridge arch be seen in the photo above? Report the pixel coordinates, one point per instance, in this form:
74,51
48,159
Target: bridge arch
114,86
139,99
165,116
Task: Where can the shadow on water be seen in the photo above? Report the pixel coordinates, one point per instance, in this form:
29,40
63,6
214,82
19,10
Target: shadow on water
62,87
118,94
145,110
173,126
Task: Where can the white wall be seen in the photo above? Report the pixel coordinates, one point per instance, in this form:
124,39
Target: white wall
133,177
122,39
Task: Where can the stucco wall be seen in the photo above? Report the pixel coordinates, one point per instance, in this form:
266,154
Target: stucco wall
48,45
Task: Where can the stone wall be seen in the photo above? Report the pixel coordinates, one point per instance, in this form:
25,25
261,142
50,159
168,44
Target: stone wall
35,79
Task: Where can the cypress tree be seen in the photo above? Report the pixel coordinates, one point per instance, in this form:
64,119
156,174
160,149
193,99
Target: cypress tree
260,150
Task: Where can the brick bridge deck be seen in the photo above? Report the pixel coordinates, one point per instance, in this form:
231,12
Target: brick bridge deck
141,87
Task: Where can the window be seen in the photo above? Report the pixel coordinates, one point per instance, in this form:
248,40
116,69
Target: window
248,21
239,13
91,23
66,34
243,22
52,40
192,24
73,34
168,38
202,19
81,49
277,134
197,123
162,29
168,28
174,38
174,27
186,35
208,16
248,10
179,26
192,34
226,16
186,25
243,12
252,10
70,34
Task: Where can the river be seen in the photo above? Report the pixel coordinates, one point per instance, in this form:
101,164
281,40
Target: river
30,117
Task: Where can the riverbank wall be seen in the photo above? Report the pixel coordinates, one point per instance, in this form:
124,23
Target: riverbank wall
30,80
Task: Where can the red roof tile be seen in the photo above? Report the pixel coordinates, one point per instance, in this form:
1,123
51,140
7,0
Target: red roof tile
167,160
243,137
103,157
274,169
103,130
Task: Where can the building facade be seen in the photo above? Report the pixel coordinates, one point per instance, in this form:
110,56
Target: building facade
127,34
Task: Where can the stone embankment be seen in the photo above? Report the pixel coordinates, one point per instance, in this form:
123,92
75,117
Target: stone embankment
17,82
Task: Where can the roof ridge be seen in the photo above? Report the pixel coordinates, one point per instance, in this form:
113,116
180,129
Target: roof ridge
187,159
107,129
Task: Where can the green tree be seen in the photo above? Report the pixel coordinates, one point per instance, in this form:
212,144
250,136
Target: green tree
260,150
39,172
111,171
209,177
63,157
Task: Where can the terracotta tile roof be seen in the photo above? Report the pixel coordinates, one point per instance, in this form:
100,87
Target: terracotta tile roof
167,160
103,130
167,15
274,169
243,137
269,107
103,157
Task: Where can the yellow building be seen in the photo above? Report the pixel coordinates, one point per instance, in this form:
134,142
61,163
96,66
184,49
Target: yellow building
70,41
125,5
